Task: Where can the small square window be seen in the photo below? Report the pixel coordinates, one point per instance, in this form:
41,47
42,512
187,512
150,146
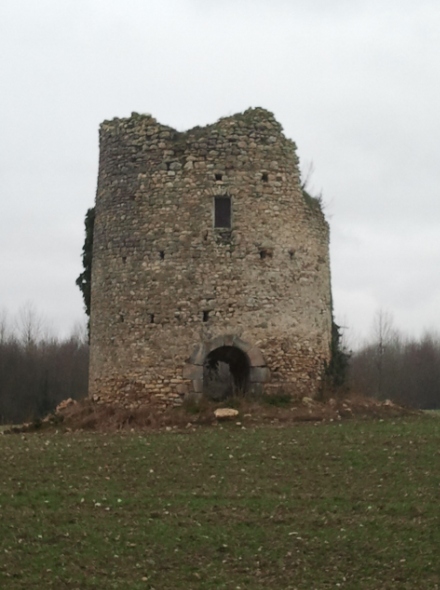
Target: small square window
222,212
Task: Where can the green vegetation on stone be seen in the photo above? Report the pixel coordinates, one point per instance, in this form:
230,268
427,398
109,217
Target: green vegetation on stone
84,280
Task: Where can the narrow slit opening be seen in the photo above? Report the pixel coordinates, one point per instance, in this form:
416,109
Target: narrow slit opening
265,253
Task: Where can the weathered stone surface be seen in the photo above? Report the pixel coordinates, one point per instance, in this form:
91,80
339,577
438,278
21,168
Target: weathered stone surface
165,280
255,357
307,401
198,355
63,405
225,413
182,389
192,372
259,375
198,386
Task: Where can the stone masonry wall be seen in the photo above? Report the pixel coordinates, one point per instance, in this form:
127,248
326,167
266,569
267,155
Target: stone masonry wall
168,287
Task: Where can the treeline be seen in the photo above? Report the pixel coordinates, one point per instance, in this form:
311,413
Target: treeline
391,366
38,370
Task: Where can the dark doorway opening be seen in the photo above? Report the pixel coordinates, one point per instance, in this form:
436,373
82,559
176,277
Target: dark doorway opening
225,373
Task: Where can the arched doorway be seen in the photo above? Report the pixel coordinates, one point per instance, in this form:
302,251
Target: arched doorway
245,370
225,372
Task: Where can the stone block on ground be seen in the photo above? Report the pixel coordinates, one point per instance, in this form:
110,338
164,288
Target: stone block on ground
225,413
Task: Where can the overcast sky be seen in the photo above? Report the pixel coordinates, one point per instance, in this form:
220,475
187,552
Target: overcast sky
355,83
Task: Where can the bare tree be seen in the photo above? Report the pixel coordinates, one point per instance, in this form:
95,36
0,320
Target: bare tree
384,337
29,325
38,370
406,371
4,326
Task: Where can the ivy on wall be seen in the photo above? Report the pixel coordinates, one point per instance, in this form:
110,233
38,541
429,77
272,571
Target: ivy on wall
85,278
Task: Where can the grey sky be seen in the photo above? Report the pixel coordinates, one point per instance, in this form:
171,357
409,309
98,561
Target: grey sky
355,84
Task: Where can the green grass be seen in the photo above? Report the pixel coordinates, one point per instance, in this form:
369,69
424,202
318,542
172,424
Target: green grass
352,505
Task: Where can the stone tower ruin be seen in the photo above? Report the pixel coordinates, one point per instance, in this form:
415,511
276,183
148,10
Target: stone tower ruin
210,270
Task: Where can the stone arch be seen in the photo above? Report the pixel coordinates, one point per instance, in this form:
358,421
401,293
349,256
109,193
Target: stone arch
225,373
253,373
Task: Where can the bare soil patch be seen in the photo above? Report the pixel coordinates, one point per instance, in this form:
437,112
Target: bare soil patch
87,415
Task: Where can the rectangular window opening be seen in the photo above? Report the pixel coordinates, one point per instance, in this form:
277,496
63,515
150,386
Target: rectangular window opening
222,212
205,316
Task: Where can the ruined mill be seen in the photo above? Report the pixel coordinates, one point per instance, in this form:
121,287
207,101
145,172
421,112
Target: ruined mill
210,270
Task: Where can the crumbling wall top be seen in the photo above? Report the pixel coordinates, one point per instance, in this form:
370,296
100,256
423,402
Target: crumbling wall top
257,118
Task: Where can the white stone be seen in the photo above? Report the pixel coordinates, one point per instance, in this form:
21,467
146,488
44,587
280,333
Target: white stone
225,413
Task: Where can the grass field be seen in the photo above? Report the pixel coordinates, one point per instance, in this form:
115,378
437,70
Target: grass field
350,505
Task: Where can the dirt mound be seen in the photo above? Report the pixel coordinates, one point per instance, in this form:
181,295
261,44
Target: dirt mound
87,415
